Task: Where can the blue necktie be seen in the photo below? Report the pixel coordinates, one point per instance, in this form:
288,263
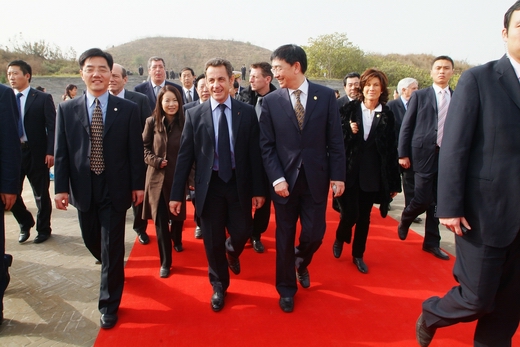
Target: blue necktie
224,148
20,124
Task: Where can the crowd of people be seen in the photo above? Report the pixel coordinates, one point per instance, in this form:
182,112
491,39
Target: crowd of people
232,151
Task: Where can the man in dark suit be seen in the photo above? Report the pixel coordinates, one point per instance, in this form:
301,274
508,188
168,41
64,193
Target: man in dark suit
189,93
10,164
99,162
221,137
157,80
351,86
303,152
479,170
117,87
405,87
419,143
36,130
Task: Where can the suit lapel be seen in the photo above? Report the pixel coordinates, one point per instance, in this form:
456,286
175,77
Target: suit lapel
433,100
207,119
312,101
507,78
80,110
287,106
112,112
236,111
31,96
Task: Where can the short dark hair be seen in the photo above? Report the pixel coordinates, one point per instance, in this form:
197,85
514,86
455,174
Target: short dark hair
199,77
509,13
265,67
26,68
371,73
216,62
350,75
444,57
155,58
188,69
95,52
291,54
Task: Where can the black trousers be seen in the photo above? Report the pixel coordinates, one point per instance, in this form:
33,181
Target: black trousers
38,176
103,231
167,231
3,269
300,204
223,211
488,291
408,185
261,218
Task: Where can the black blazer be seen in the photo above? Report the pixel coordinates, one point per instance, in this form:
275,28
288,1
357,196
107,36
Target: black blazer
479,165
147,89
397,108
342,101
122,149
198,146
194,97
10,155
142,103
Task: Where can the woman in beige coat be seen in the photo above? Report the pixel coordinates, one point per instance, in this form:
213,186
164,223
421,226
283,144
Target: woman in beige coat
162,138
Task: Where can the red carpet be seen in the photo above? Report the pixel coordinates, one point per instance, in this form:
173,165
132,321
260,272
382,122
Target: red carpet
341,308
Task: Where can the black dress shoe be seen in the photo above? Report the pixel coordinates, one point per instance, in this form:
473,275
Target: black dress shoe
143,237
164,272
417,220
8,261
402,231
257,245
41,238
337,248
423,334
233,263
436,251
361,266
217,300
108,321
286,304
178,248
304,278
24,235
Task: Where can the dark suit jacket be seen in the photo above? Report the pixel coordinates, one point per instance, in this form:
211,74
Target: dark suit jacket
479,165
198,145
10,155
319,145
397,108
191,104
194,97
418,137
342,101
147,89
39,122
142,102
122,150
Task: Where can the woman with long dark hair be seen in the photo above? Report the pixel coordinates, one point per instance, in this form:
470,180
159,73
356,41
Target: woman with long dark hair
70,92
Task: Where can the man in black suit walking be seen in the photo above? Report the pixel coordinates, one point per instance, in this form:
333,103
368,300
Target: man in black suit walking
10,164
221,137
36,131
479,170
117,87
99,169
419,143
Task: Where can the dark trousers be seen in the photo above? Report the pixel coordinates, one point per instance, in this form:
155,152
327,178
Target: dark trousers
424,200
222,210
3,268
38,176
358,208
300,204
103,231
408,185
167,230
140,224
488,291
261,218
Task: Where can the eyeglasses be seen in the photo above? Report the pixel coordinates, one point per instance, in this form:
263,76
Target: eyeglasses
276,69
101,70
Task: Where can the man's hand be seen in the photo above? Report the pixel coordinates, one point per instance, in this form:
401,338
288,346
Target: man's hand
337,187
137,196
404,162
175,207
49,160
62,201
258,201
282,189
8,200
454,224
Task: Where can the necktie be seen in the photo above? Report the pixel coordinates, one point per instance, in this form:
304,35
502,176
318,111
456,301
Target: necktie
97,163
258,107
298,109
188,96
224,148
20,122
157,88
441,116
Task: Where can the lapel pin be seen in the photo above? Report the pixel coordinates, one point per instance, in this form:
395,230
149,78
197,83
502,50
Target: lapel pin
315,98
115,109
377,115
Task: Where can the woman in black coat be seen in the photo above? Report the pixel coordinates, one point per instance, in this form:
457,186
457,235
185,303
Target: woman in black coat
372,163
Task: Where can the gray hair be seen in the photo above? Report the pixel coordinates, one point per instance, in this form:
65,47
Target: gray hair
405,83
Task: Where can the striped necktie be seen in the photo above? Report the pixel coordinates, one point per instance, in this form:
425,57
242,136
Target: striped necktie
441,115
298,109
97,162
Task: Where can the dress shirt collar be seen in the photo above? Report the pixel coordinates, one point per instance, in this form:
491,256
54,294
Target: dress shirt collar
405,102
438,89
516,66
103,99
378,108
25,92
185,90
121,94
304,88
215,103
160,85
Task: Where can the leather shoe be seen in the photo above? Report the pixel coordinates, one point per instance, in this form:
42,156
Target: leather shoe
337,248
423,334
257,245
361,266
164,272
108,321
436,251
233,263
178,248
143,237
198,232
286,304
8,261
217,300
41,238
304,278
24,235
402,231
417,220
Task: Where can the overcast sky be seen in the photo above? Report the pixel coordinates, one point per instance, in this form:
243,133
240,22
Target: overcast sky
464,29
